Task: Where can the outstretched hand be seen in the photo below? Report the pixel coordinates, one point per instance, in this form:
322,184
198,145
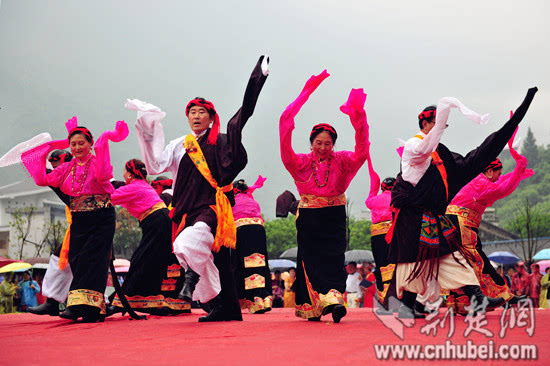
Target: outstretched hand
355,103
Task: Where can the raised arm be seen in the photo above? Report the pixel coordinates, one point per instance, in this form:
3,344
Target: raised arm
258,184
355,109
251,94
286,122
478,159
34,161
150,135
104,169
509,182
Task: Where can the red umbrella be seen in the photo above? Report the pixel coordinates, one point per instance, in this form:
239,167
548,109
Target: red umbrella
4,261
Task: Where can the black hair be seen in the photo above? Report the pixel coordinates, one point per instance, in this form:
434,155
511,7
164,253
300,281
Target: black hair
88,136
352,263
428,108
137,168
240,185
323,127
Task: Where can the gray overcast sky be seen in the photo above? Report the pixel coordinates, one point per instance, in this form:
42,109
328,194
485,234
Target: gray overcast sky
64,58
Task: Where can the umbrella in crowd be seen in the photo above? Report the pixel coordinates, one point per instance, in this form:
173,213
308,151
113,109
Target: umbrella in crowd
281,264
359,256
291,254
15,267
543,265
503,257
542,255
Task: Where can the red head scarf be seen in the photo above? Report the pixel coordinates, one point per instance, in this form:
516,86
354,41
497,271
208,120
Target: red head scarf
83,131
427,114
495,164
161,185
213,137
62,156
321,127
138,172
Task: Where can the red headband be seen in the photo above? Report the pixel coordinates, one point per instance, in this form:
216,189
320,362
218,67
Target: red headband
213,137
83,131
63,158
495,164
322,126
386,187
161,185
426,114
131,167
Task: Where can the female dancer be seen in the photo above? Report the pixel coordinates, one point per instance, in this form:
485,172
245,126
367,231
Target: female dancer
467,208
322,177
252,274
86,179
154,270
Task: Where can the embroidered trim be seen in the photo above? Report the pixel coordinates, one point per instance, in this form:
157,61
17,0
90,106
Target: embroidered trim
168,284
382,294
150,210
173,271
312,201
318,301
249,221
86,297
90,202
158,301
257,304
387,272
380,228
254,281
470,217
254,260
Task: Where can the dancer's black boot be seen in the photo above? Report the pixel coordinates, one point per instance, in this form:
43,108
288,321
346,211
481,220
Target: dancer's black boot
407,309
475,292
50,307
191,279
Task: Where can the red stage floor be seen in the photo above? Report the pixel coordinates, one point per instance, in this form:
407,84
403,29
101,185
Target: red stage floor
275,338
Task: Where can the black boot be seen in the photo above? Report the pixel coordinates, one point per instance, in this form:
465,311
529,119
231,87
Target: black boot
514,300
50,307
217,313
475,291
89,314
407,309
191,279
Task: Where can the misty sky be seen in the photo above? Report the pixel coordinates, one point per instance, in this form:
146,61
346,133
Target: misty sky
84,58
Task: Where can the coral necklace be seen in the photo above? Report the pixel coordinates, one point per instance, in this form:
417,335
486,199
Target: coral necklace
314,167
82,178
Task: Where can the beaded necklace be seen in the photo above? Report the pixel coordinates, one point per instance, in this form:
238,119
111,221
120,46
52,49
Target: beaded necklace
82,177
314,167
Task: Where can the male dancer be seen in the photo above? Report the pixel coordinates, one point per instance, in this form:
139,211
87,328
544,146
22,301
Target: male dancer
423,240
203,165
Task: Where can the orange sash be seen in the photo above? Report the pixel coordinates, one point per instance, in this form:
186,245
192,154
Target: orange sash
226,232
64,255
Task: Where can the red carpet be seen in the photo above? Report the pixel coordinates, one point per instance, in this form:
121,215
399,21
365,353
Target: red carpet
275,338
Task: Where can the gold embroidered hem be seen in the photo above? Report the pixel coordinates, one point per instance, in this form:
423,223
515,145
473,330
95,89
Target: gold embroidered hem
249,221
318,301
469,217
159,301
90,202
387,272
257,305
382,294
86,297
254,260
254,281
168,284
380,228
173,271
150,210
312,201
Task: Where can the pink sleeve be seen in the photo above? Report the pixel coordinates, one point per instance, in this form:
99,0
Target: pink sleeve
259,184
104,168
122,195
34,161
355,109
286,122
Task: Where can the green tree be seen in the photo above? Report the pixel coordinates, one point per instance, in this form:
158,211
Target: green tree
22,220
56,234
280,235
530,149
530,224
359,234
127,233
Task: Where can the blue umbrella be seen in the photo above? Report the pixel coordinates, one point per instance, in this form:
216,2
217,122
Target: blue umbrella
281,264
503,257
542,255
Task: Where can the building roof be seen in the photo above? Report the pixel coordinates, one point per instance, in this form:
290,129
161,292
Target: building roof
25,187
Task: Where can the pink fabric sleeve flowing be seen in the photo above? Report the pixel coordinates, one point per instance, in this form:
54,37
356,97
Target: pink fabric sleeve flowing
104,170
355,109
258,184
290,159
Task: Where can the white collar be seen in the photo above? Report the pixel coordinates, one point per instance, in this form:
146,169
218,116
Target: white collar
199,135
